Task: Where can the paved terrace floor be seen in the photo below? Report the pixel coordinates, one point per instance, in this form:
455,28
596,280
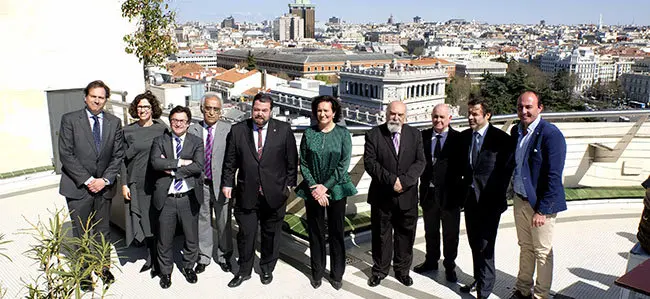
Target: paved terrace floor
592,239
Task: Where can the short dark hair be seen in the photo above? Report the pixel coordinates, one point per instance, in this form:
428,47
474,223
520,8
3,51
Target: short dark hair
336,107
263,98
539,99
479,100
180,109
156,111
96,84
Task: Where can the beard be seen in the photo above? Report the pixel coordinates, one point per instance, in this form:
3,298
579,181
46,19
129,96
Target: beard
393,126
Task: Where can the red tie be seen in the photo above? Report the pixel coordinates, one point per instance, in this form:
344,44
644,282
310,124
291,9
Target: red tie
259,143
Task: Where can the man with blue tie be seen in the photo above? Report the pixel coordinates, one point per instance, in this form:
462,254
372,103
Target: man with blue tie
540,153
485,180
177,160
91,152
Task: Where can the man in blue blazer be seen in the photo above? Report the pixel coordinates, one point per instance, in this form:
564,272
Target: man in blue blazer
540,153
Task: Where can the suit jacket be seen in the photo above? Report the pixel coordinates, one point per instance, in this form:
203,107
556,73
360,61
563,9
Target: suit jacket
542,168
221,129
192,150
493,171
80,159
384,166
445,175
275,171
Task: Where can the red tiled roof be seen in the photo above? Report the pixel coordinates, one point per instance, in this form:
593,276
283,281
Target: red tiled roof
233,75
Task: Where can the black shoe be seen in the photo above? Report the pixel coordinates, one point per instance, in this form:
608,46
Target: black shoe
165,281
226,267
451,276
145,268
190,275
336,284
266,278
425,267
374,280
315,283
405,280
86,285
107,276
200,268
518,295
469,287
237,280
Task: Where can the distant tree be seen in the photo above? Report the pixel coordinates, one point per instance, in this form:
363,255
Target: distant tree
418,51
283,75
151,42
458,90
251,62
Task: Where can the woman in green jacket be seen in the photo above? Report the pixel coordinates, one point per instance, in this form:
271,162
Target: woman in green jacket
325,152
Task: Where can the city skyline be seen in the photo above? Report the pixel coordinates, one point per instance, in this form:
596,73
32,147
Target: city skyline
508,11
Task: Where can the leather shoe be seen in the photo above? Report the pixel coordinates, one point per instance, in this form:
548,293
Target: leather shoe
405,280
190,275
165,281
451,276
425,267
518,295
225,267
200,268
336,284
315,283
107,276
469,287
86,285
237,280
374,280
266,278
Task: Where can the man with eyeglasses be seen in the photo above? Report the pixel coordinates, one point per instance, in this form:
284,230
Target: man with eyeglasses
177,161
213,132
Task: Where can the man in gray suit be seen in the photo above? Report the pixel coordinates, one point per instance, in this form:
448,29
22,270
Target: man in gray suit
213,132
177,161
90,149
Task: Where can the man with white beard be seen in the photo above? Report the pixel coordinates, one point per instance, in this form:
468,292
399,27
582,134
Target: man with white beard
394,159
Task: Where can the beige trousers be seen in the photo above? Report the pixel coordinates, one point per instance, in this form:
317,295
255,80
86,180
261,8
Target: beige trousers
536,250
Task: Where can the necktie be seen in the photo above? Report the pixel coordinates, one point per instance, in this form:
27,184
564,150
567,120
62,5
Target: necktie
438,148
260,145
476,147
396,142
97,132
208,154
178,183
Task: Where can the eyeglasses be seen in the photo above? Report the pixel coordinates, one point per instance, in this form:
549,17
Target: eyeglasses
144,107
178,121
216,110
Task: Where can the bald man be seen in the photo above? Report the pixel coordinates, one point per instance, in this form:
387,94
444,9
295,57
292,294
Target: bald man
438,197
394,159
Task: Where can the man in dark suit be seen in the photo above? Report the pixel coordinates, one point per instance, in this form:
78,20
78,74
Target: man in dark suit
262,151
485,180
177,161
540,152
394,159
214,133
438,196
91,152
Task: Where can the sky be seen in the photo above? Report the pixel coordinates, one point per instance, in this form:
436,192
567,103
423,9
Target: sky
615,12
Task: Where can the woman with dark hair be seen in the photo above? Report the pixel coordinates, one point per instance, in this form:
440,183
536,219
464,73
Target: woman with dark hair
325,152
136,182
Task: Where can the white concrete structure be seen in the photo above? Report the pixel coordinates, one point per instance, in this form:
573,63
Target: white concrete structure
233,83
53,45
372,89
582,62
474,70
170,95
288,27
205,59
449,53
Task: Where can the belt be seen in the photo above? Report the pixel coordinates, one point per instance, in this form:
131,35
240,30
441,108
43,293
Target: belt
522,197
179,195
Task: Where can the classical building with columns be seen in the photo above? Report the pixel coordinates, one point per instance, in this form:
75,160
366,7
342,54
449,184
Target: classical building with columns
372,89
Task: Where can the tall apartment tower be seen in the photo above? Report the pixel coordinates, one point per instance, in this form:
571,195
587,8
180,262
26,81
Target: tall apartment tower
307,11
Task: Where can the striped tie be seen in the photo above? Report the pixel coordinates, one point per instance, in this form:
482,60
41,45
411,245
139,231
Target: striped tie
178,183
208,154
97,132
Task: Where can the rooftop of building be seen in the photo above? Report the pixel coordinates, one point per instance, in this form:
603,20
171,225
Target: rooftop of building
235,74
308,55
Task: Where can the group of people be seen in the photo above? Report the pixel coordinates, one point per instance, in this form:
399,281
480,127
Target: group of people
198,175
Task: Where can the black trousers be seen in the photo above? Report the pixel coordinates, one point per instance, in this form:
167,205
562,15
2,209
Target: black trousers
433,214
270,221
88,211
183,210
335,231
393,235
482,226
